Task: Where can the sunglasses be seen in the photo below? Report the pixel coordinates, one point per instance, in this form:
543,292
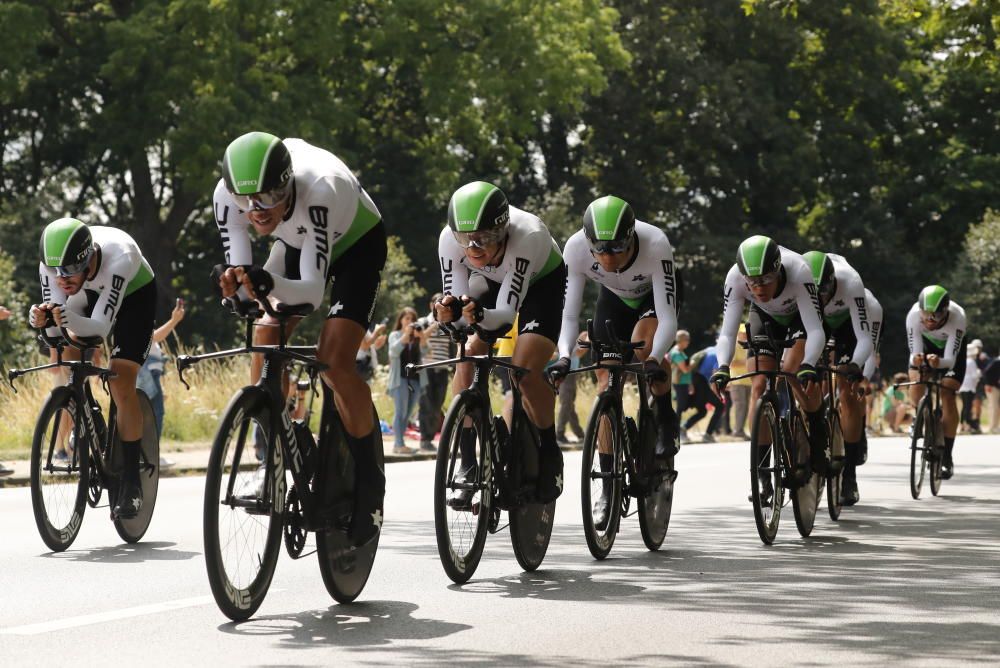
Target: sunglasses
72,269
762,280
480,239
262,201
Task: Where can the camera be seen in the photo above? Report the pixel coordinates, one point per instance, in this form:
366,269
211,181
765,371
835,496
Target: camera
418,327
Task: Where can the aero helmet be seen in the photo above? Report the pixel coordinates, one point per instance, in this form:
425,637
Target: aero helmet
66,245
478,214
609,225
257,170
758,256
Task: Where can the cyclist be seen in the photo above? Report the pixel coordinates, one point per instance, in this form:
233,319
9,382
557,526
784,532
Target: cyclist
779,286
525,277
95,282
633,262
935,332
847,319
316,210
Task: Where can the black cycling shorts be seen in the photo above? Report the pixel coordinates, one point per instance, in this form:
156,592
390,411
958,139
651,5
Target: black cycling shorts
623,317
355,278
844,342
957,371
761,321
541,310
132,332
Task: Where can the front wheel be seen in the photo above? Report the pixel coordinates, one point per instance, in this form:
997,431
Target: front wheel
463,498
766,491
920,444
132,530
935,463
59,469
601,477
530,523
244,507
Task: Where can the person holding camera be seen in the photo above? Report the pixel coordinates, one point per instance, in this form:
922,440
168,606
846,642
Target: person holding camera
405,341
434,387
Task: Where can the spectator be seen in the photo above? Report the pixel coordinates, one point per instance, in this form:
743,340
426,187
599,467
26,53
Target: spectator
567,398
982,361
405,342
873,417
703,364
894,406
366,359
681,370
149,376
991,382
440,347
4,470
739,390
968,389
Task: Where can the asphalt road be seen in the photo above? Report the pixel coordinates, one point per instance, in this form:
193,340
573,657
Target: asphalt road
896,580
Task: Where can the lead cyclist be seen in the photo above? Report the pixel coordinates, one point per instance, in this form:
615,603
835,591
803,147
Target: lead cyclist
308,200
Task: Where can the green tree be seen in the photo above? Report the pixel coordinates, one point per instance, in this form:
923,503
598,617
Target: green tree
975,281
16,340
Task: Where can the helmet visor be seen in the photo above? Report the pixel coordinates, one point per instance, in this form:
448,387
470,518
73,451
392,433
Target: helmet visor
262,201
610,247
480,238
76,268
762,280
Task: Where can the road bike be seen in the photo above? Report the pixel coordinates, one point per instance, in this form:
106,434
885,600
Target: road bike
76,454
628,445
779,449
468,502
926,434
250,506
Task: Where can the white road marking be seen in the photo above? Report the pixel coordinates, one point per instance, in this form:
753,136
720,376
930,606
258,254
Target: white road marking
109,616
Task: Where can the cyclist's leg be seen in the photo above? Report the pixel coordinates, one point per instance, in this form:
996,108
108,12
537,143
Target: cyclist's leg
851,402
811,401
131,337
270,335
950,385
668,442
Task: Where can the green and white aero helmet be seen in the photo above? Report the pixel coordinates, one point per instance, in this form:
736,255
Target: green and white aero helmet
934,299
478,214
609,224
66,245
758,256
257,170
822,271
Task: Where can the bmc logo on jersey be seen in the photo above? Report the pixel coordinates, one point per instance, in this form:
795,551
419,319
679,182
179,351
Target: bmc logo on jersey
517,282
862,312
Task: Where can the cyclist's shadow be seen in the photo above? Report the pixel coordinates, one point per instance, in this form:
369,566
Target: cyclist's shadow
552,585
126,553
360,624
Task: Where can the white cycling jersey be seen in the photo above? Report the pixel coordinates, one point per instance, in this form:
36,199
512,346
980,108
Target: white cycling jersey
797,295
875,318
529,254
121,270
849,302
328,212
651,270
948,337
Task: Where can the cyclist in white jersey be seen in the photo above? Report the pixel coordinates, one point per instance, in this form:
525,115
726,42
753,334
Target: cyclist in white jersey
935,332
525,274
779,286
317,211
95,283
847,319
633,262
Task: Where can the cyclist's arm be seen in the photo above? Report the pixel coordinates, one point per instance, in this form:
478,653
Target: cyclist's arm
954,343
529,255
575,283
119,271
232,226
454,275
733,301
664,299
860,320
51,294
875,317
812,321
332,202
914,339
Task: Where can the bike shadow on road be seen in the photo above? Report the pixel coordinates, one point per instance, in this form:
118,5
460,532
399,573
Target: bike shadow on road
126,553
362,624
